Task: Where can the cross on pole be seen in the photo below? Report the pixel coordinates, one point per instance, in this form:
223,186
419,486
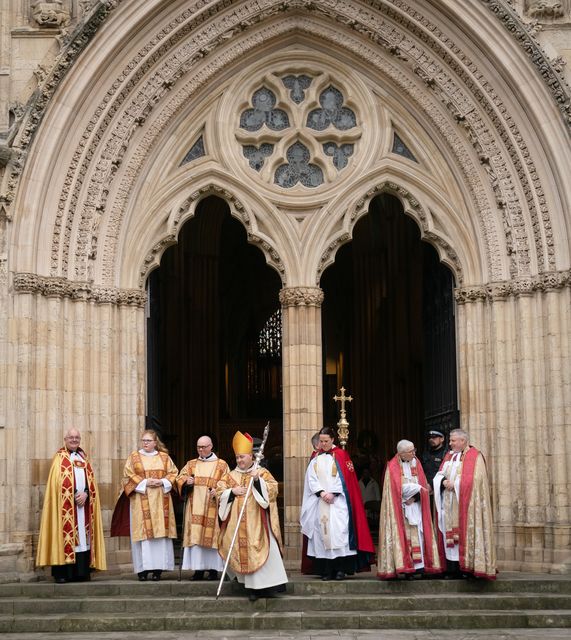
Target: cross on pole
342,399
343,425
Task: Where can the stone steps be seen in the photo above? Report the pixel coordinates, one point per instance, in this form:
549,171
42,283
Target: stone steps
289,603
359,603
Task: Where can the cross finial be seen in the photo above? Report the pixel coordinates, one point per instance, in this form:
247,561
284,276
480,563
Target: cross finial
343,425
342,399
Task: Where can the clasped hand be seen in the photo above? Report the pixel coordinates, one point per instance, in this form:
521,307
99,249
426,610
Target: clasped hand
81,498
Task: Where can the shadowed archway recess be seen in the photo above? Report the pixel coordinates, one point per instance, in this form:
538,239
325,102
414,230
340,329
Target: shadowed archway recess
214,338
389,335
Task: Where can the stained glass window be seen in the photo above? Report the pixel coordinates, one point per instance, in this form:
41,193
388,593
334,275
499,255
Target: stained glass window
270,339
298,169
400,148
263,112
332,112
196,151
297,86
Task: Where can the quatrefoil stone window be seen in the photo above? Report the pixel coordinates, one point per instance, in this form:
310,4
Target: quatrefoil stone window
298,131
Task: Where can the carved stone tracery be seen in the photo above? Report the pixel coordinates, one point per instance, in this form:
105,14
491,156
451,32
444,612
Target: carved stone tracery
413,208
425,101
227,27
492,159
187,209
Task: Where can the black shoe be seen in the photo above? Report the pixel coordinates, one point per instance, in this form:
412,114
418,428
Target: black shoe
252,597
143,575
60,580
157,575
198,575
340,575
213,575
325,578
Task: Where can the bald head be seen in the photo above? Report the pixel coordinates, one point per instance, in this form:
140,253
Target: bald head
204,446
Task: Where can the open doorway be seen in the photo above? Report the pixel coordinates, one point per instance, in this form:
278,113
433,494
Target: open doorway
389,336
214,339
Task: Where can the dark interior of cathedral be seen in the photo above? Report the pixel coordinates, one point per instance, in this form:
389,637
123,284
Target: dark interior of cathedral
214,337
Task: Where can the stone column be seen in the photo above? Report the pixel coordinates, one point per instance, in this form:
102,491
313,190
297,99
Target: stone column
74,357
515,381
302,400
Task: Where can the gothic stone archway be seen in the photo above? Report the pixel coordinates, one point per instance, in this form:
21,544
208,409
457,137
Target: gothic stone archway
400,99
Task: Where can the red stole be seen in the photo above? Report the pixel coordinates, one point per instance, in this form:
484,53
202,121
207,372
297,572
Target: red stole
68,506
394,469
359,518
469,458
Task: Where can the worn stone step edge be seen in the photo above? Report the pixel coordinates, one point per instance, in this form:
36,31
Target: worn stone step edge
350,587
127,604
290,621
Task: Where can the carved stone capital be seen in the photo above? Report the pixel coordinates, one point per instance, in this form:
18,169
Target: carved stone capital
301,297
52,287
544,282
464,295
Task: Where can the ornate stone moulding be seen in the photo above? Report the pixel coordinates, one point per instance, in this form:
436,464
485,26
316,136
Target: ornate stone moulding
524,35
98,11
301,297
223,27
426,102
52,287
542,283
493,158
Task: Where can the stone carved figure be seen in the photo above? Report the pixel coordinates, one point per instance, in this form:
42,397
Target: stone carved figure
50,13
542,9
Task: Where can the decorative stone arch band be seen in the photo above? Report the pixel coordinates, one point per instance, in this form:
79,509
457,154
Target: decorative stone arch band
412,208
187,210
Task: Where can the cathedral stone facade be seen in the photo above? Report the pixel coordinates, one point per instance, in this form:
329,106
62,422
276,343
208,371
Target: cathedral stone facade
119,117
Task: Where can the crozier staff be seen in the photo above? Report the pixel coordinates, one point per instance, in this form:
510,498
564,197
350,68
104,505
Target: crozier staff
255,559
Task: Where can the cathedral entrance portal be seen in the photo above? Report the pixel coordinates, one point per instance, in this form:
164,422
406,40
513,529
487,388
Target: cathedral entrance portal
389,335
214,339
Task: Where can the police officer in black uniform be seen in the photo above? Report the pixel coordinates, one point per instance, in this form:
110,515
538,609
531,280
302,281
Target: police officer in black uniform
432,456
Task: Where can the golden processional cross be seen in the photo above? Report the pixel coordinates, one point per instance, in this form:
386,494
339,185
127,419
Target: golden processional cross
343,425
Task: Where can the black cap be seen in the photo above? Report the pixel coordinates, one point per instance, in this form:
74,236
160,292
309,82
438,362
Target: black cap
438,434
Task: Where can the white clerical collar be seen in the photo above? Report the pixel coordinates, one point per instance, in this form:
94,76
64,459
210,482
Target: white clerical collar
209,458
148,453
245,470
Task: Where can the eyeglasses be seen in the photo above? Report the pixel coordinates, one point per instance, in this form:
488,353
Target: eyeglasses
147,441
203,446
